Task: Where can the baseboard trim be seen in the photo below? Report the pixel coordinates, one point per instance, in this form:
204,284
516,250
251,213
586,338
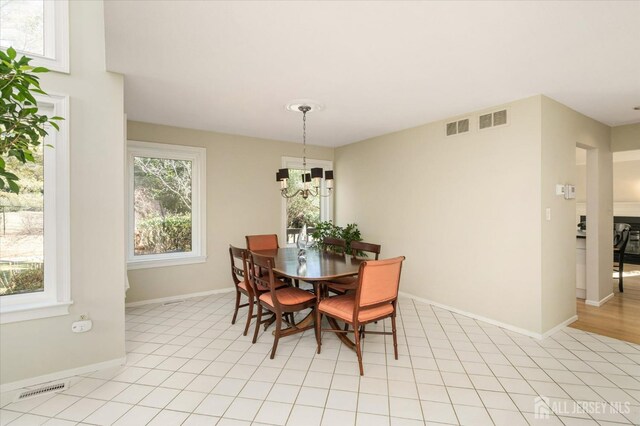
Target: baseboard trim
600,303
500,324
581,293
178,297
559,327
64,374
474,316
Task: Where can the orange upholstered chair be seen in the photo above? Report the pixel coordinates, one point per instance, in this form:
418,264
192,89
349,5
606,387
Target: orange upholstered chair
262,242
282,303
240,275
375,299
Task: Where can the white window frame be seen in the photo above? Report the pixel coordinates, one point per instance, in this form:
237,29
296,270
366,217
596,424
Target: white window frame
56,297
56,38
326,203
198,157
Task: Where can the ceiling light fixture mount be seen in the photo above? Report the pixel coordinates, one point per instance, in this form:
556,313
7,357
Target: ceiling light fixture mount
310,181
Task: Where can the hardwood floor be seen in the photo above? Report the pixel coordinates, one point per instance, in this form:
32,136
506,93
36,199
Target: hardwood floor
619,317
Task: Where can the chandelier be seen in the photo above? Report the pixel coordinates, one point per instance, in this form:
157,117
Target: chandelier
310,180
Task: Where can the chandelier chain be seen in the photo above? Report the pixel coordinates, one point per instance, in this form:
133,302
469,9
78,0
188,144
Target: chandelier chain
304,140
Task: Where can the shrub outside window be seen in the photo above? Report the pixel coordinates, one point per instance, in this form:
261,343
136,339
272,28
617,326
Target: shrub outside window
166,205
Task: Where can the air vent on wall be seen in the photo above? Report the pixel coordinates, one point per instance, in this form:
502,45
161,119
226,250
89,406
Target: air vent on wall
42,390
492,119
457,127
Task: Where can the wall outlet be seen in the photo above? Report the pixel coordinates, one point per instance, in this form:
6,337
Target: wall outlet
81,326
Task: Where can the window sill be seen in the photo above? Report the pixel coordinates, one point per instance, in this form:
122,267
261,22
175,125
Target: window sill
160,263
31,311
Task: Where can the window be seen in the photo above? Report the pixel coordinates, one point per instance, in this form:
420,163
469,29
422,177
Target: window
34,230
167,205
297,211
38,29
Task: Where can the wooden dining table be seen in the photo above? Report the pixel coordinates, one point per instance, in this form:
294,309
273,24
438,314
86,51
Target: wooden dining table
318,267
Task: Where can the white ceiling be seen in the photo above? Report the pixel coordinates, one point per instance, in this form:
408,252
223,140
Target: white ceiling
377,66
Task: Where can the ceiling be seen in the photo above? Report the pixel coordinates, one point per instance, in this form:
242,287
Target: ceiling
378,67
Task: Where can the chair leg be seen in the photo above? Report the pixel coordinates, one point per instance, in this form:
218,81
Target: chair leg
258,320
235,313
356,332
316,329
318,324
395,336
620,276
249,315
277,334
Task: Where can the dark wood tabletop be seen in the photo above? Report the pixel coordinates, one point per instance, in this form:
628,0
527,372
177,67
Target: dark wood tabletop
320,265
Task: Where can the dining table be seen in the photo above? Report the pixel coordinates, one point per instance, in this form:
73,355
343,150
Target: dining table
316,268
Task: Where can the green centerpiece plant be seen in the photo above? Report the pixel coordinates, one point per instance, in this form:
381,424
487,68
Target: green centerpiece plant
328,229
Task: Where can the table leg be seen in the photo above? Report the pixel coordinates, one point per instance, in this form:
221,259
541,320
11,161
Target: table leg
306,322
342,336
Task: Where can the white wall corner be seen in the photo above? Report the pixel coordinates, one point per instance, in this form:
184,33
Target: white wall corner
599,303
559,327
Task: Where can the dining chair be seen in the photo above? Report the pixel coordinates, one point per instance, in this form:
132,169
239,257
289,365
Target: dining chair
621,233
358,247
240,275
337,245
375,299
344,285
262,242
282,303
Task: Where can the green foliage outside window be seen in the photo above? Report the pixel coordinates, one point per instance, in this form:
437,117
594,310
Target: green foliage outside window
162,191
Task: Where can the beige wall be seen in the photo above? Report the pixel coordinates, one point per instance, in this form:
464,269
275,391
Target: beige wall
625,138
626,182
33,348
242,198
465,210
562,130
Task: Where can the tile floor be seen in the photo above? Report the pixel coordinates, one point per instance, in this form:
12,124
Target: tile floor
187,365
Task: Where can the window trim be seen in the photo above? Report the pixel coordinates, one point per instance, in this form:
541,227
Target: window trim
56,297
326,203
56,38
198,157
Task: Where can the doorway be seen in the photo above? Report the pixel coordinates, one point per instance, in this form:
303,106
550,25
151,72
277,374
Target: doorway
619,315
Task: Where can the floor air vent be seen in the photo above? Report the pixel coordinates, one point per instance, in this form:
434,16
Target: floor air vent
42,390
457,127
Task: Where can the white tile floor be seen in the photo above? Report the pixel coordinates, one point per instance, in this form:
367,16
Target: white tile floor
187,365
